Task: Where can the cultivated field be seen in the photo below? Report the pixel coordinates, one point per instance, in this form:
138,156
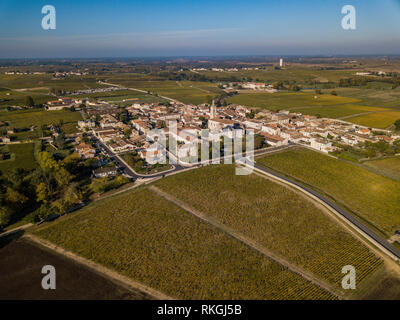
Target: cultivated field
276,217
21,276
38,117
324,105
123,96
389,166
381,120
298,73
10,98
184,91
151,240
373,197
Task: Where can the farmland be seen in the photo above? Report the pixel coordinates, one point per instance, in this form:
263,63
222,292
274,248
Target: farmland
324,105
20,276
372,197
121,95
22,156
185,91
277,218
155,242
38,117
47,82
10,97
389,166
381,120
301,74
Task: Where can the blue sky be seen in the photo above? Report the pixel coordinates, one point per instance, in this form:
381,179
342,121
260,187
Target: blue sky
194,28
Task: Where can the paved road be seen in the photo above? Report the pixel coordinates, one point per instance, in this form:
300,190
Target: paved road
128,170
177,167
349,217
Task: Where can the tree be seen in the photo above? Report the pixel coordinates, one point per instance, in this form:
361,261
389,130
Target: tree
15,197
397,124
29,101
59,141
43,212
5,216
42,193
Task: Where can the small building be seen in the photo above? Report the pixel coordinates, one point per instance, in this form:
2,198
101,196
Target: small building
105,172
85,150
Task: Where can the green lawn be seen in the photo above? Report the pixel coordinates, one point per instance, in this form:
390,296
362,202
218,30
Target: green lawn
155,242
373,197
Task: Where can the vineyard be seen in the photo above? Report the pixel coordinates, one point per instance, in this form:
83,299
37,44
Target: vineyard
276,217
388,166
155,242
371,196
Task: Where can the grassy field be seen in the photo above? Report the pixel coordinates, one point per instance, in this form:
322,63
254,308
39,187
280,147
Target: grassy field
22,156
373,197
155,242
381,120
38,117
277,218
389,166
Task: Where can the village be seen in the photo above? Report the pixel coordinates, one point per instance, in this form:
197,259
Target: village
109,130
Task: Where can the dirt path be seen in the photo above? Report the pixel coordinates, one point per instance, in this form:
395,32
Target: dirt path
15,230
113,275
250,243
357,115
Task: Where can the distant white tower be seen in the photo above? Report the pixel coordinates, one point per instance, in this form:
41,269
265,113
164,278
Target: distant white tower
281,63
213,110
